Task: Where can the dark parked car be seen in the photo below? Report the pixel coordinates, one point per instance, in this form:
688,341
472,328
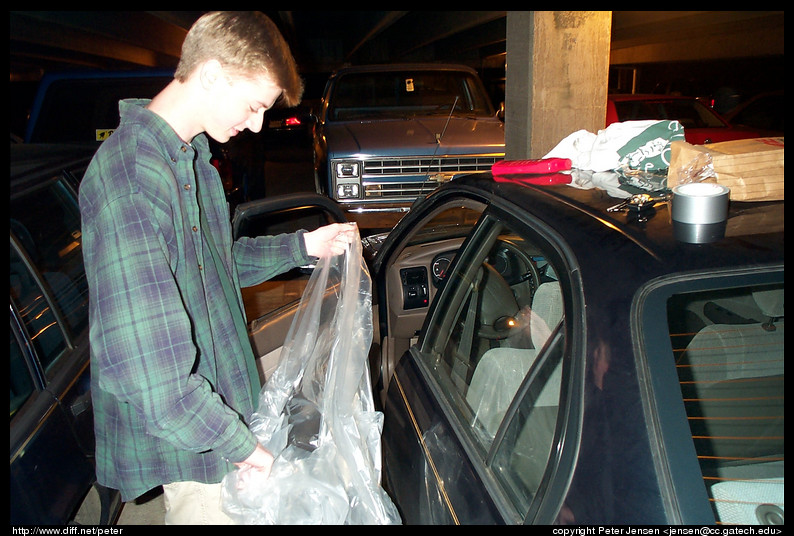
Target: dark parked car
765,112
52,435
702,124
83,107
548,361
541,359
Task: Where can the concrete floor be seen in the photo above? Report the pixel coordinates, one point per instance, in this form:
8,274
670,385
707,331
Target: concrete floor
150,511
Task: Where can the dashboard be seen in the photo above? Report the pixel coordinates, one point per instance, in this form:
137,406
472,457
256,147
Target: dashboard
421,270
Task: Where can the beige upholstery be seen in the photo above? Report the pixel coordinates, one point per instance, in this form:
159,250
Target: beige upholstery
730,351
501,370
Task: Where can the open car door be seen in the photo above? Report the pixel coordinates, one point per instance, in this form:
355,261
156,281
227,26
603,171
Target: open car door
271,306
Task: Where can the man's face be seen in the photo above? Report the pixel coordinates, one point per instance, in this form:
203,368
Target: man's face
239,103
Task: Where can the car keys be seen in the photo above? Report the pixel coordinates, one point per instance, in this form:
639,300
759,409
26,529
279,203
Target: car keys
619,206
637,203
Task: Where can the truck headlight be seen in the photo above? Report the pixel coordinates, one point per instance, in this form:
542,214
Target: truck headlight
347,178
344,191
347,170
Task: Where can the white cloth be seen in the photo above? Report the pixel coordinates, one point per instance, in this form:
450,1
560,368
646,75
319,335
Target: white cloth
599,152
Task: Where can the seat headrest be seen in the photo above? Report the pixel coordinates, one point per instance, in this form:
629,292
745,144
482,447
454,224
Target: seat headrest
546,311
770,302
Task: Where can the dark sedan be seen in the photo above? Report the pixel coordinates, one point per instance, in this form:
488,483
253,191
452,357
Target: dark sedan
541,359
546,361
52,436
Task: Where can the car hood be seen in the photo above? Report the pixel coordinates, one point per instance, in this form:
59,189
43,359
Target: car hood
415,136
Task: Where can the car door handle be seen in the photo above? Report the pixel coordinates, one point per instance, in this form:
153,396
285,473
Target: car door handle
81,403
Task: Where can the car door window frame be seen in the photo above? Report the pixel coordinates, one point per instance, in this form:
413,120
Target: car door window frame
566,433
63,186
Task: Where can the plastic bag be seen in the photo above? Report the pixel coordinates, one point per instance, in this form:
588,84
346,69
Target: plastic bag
639,145
316,413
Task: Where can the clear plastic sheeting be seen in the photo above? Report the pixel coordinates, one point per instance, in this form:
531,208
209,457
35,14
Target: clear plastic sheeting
316,413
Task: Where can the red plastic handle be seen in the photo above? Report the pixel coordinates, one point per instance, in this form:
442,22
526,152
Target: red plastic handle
544,165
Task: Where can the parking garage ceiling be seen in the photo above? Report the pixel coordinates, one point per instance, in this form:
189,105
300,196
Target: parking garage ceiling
42,41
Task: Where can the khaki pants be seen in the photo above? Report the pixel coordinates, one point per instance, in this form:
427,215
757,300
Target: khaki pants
194,503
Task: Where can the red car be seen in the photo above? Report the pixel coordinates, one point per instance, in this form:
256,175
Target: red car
701,123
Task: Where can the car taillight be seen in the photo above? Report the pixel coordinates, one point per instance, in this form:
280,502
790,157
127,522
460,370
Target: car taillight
292,122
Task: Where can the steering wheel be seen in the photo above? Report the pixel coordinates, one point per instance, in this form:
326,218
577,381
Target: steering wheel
523,279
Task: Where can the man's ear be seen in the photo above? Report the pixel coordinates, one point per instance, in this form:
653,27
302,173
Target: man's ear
210,72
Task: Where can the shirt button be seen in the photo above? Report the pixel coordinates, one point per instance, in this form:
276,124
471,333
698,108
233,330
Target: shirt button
186,187
200,267
183,149
195,228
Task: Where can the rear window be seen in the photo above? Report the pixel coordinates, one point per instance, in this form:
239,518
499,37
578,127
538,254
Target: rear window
690,113
728,350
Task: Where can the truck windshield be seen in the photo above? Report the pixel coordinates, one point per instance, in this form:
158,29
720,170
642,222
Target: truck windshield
406,93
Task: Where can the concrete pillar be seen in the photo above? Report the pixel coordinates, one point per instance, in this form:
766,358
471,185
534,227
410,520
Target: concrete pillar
557,75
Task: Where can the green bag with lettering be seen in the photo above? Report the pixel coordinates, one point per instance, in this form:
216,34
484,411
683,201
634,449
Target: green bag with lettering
645,158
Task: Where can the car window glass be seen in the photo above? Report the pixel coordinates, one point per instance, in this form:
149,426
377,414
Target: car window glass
728,347
20,381
35,312
46,221
521,456
763,113
390,93
504,302
63,117
288,287
689,112
454,222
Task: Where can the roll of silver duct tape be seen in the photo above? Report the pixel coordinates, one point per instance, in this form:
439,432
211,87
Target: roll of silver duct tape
699,211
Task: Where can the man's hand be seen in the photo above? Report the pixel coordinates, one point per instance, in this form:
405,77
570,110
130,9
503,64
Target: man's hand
329,240
260,460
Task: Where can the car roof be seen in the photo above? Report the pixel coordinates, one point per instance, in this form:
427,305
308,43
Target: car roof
753,234
34,161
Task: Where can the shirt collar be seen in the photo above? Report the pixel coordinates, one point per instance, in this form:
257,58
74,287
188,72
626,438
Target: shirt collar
135,111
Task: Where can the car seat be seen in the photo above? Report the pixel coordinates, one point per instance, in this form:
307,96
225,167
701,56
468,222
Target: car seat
501,370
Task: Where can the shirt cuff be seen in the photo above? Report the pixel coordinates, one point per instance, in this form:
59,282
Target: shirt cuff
302,257
240,444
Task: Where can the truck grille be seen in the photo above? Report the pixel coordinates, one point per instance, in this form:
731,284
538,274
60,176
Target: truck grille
400,189
414,167
438,164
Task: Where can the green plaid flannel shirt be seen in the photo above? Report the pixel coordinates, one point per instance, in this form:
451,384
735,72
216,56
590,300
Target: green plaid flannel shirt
171,390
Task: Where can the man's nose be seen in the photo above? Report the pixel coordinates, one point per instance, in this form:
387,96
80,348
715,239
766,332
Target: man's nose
254,122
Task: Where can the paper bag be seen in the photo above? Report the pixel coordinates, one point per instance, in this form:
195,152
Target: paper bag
751,168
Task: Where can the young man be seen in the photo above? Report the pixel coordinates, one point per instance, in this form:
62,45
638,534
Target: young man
173,378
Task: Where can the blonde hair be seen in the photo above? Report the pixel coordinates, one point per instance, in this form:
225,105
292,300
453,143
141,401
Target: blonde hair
248,44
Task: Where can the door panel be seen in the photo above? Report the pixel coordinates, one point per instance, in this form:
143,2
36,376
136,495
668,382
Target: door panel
427,471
